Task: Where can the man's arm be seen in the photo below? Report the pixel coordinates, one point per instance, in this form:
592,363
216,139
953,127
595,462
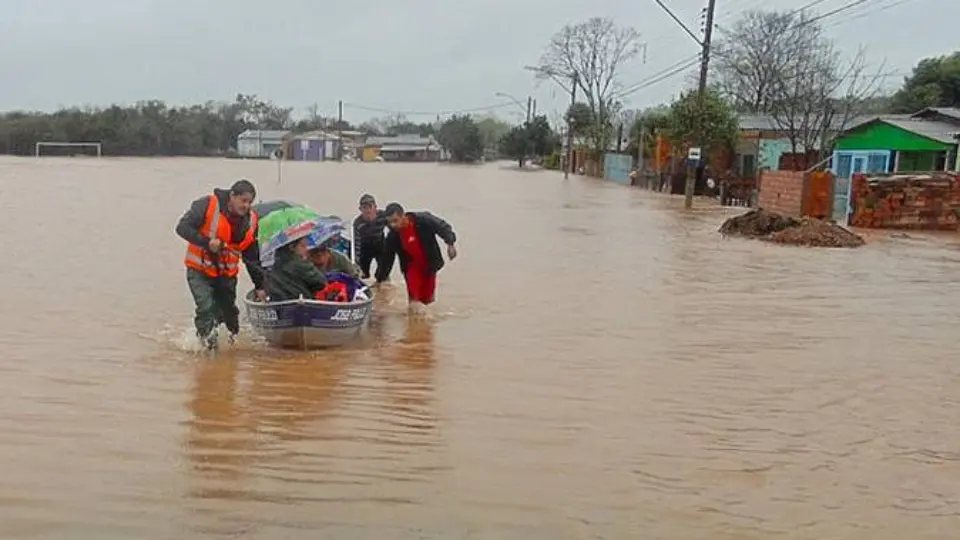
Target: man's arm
441,228
313,278
385,264
192,220
357,222
346,265
251,259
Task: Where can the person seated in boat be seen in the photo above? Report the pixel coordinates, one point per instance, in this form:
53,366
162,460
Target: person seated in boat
294,275
329,260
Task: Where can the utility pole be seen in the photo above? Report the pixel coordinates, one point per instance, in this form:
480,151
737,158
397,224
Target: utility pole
534,114
701,95
340,130
575,79
640,142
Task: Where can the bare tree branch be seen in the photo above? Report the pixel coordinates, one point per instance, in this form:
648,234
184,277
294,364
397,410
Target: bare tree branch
595,50
783,65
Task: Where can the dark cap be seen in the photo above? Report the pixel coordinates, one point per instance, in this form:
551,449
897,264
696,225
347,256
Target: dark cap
366,199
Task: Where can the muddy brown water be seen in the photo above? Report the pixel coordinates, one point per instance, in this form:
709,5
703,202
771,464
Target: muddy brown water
600,364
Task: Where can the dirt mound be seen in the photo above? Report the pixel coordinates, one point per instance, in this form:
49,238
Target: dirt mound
757,224
779,229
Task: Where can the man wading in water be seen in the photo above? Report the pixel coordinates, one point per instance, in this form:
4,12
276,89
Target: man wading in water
220,229
413,238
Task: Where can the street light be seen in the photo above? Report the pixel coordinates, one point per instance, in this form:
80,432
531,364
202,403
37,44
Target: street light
557,76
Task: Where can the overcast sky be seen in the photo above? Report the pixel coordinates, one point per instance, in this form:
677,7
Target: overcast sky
409,55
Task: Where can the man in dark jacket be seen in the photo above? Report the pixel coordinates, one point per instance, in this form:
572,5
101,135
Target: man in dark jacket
368,234
413,239
220,230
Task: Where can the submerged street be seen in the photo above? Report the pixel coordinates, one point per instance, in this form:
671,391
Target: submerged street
599,364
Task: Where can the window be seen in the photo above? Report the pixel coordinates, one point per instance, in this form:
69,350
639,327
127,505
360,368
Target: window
877,163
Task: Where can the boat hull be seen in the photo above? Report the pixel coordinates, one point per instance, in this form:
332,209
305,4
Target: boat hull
308,324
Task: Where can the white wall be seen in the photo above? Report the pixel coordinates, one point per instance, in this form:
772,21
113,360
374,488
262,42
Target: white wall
248,147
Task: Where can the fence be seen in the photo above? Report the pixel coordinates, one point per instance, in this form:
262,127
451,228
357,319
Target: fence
796,193
916,201
616,167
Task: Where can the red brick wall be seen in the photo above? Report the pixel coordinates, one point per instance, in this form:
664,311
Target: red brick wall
781,192
928,201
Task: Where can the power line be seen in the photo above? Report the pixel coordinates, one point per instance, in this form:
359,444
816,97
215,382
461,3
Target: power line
867,12
660,76
681,66
384,110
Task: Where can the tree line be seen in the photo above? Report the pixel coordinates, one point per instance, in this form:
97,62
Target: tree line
780,64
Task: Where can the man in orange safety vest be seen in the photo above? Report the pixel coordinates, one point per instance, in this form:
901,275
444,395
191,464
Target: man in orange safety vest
220,230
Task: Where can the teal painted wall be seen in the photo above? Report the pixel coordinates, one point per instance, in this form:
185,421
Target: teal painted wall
883,136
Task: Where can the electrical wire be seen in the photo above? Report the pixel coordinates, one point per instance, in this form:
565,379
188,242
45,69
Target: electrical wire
681,66
385,110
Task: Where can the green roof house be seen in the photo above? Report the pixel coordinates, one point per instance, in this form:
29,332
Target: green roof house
921,142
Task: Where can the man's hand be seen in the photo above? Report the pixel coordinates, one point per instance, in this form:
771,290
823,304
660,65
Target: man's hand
452,251
260,295
215,245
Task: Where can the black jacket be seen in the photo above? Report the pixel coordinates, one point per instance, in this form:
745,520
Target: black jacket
368,233
428,227
189,226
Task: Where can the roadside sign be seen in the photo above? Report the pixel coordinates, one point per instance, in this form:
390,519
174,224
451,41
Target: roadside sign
694,153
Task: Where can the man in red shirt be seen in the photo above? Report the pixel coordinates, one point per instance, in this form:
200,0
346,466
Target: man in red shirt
413,239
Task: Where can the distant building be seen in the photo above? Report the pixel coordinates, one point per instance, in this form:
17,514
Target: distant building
313,146
402,148
259,143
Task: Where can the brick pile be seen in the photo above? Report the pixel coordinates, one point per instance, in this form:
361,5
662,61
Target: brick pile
781,192
928,201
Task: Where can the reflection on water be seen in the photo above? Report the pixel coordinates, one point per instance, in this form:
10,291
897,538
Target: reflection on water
599,364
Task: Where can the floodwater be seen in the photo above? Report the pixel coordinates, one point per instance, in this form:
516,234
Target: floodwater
600,364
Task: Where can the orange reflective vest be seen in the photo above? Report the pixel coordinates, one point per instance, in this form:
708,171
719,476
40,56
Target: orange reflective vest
227,261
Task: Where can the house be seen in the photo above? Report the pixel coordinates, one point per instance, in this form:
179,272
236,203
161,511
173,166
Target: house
765,145
260,143
402,148
920,142
313,146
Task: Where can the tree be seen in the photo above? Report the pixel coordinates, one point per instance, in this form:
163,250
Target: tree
543,140
460,135
514,144
149,128
580,118
719,122
783,65
492,129
935,82
595,50
534,138
648,121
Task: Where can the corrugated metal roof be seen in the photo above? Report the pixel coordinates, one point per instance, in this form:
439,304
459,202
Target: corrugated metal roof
764,122
263,134
931,129
952,112
399,139
756,122
408,148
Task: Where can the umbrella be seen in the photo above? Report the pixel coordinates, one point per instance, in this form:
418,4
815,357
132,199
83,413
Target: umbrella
264,208
284,225
279,219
